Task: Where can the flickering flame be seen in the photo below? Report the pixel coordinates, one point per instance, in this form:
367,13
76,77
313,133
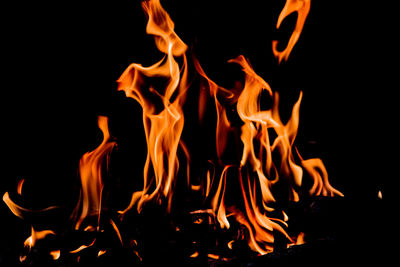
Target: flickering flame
302,7
91,174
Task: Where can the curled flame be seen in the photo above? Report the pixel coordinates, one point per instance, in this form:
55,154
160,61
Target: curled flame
302,7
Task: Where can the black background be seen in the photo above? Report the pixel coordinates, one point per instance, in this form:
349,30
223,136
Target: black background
60,62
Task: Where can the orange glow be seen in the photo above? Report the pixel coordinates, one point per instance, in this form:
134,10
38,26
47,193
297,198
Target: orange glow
90,170
302,7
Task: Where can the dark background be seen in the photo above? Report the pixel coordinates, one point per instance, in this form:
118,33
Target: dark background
60,63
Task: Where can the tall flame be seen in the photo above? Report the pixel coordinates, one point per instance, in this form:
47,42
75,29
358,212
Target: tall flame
163,128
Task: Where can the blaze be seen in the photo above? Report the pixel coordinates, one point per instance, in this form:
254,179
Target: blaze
268,155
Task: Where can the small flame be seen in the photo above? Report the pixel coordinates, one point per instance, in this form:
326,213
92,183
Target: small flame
35,236
55,254
194,255
19,187
20,211
101,252
302,7
90,170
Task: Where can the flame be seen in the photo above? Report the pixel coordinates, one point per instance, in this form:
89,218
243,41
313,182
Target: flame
163,129
20,211
20,185
55,254
223,125
90,170
218,206
267,157
101,252
82,247
319,174
268,170
302,7
163,124
35,236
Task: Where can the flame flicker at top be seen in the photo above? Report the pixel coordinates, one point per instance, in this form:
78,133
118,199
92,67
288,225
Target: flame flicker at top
196,149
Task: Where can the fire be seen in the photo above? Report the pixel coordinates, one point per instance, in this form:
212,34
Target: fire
90,170
269,159
163,128
37,235
302,7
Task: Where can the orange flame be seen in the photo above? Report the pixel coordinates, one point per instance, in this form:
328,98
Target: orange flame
265,160
223,124
22,212
20,185
162,129
36,235
90,170
256,129
302,7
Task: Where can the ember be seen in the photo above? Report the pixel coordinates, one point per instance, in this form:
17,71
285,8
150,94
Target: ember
191,166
